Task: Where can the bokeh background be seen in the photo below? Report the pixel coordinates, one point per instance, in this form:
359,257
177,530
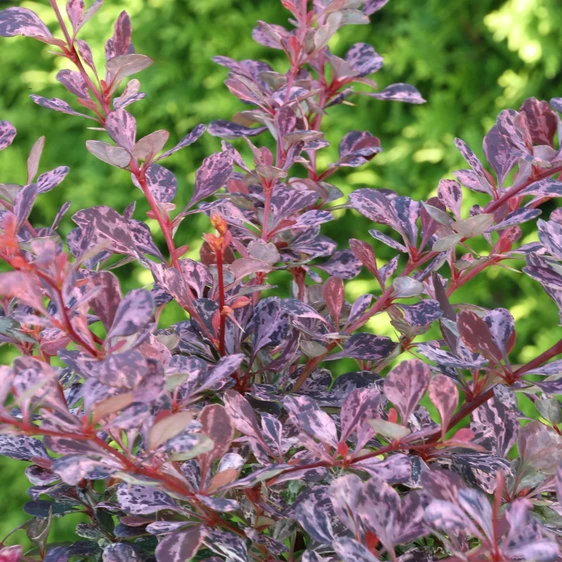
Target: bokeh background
469,59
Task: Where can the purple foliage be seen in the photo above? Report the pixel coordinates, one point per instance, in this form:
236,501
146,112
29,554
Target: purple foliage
226,436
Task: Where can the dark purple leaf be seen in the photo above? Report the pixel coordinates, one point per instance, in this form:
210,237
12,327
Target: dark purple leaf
229,130
421,314
405,385
400,92
342,264
388,241
223,369
57,104
122,370
366,347
550,234
73,468
499,152
211,176
189,139
450,194
548,187
120,552
363,59
7,134
241,413
298,308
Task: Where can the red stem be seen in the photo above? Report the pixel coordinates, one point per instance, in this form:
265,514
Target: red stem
220,275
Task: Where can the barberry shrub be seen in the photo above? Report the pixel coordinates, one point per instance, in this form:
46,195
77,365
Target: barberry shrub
225,436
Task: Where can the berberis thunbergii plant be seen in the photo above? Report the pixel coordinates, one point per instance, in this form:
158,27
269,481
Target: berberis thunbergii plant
225,436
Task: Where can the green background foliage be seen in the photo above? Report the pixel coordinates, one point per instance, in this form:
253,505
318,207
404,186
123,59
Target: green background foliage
468,59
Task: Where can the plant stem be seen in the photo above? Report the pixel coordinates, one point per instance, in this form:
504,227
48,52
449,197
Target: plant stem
222,328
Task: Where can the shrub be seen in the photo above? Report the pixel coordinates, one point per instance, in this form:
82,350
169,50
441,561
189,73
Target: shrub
226,436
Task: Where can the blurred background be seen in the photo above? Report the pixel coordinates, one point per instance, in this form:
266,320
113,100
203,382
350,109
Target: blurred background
469,59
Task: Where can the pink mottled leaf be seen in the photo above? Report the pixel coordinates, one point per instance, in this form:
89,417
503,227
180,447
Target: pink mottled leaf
120,42
7,134
405,385
57,104
21,21
190,138
211,176
122,128
307,415
400,92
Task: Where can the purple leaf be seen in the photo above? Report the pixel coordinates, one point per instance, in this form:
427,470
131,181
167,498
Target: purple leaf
363,59
541,120
228,130
496,424
342,264
190,138
448,517
75,11
313,510
405,385
50,180
57,104
122,128
366,347
499,153
241,413
357,148
378,507
122,370
107,224
359,404
120,43
516,217
388,241
144,500
298,308
119,552
400,92
211,176
180,546
21,21
349,550
7,134
130,95
23,203
223,369
269,35
550,234
135,311
372,6
73,82
311,419
421,314
162,183
450,194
